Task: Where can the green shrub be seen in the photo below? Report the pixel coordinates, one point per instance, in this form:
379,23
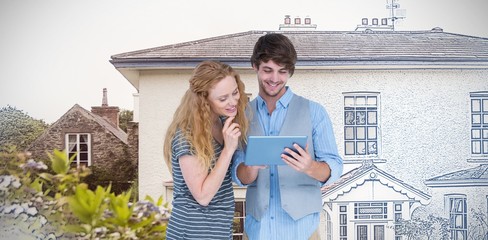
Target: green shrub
50,203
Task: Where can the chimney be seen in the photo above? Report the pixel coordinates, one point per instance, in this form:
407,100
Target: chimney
104,98
297,24
111,114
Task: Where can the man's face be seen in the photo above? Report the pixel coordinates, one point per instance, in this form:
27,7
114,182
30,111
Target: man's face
272,79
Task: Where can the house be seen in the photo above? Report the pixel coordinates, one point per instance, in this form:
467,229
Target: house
409,111
94,137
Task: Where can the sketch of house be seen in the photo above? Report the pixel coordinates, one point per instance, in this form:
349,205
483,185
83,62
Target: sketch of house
409,111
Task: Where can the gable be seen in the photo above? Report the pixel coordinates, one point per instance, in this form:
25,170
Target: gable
372,184
76,120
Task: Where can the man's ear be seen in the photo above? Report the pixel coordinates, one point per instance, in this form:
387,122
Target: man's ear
255,67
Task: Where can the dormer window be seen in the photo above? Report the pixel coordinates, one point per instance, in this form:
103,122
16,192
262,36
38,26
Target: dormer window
298,21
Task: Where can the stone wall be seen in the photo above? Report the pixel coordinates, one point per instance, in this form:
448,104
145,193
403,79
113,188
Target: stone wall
105,146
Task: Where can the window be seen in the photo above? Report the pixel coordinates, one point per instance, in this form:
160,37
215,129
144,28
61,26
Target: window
458,221
328,226
239,217
79,146
398,218
361,124
370,210
479,124
343,222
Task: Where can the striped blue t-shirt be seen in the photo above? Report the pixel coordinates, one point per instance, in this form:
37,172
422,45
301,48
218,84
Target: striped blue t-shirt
190,220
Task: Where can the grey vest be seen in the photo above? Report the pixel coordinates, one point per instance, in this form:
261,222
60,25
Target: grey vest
300,194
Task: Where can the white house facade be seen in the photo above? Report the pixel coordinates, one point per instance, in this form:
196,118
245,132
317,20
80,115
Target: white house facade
409,111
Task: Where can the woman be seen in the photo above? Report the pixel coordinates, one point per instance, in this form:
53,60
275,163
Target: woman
207,128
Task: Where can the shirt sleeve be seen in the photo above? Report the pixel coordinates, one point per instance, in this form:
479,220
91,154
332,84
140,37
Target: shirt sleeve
324,142
181,146
237,159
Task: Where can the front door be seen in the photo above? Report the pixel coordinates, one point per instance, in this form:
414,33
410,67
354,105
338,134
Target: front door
370,231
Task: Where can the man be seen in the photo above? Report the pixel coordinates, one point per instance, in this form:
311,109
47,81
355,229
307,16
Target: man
284,202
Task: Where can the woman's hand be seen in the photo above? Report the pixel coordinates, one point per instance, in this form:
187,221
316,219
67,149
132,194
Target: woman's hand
231,133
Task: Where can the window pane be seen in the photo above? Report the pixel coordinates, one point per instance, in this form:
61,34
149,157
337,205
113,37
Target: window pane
476,119
349,118
362,232
372,100
475,105
372,148
84,147
476,147
361,148
476,133
372,118
485,133
349,148
485,105
73,147
360,133
361,101
72,138
360,117
398,207
485,147
371,133
485,118
83,157
379,232
349,133
238,225
348,101
342,218
343,231
83,138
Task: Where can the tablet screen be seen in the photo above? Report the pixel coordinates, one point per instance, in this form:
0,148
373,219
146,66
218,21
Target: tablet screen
267,150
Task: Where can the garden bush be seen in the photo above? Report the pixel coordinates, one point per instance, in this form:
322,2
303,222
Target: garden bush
51,201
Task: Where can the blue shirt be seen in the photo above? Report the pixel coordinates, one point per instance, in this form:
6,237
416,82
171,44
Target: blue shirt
276,223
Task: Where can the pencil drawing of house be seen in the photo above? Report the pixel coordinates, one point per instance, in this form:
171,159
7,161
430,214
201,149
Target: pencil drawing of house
409,111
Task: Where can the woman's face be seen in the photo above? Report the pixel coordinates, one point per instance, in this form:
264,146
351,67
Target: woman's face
223,97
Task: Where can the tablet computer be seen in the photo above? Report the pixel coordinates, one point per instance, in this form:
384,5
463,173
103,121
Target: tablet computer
267,150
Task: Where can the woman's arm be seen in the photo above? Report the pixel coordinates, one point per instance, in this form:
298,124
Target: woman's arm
204,185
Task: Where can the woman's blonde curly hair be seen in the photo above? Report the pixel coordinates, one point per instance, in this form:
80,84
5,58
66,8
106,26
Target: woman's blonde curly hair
193,114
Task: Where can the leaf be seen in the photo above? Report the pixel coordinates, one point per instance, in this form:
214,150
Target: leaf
60,162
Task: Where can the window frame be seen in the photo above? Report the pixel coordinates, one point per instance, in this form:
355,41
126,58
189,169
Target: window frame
236,219
453,216
367,131
78,144
478,135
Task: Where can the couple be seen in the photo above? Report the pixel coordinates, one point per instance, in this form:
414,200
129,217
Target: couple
209,128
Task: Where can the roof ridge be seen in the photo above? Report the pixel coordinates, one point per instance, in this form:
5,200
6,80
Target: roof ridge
187,43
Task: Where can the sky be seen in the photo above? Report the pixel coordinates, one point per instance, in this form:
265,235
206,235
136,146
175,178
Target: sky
55,53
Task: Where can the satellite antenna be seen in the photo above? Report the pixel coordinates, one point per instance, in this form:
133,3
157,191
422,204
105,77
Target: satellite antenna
395,12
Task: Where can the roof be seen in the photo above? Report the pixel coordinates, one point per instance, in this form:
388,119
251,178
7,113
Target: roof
117,132
321,48
363,172
477,176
